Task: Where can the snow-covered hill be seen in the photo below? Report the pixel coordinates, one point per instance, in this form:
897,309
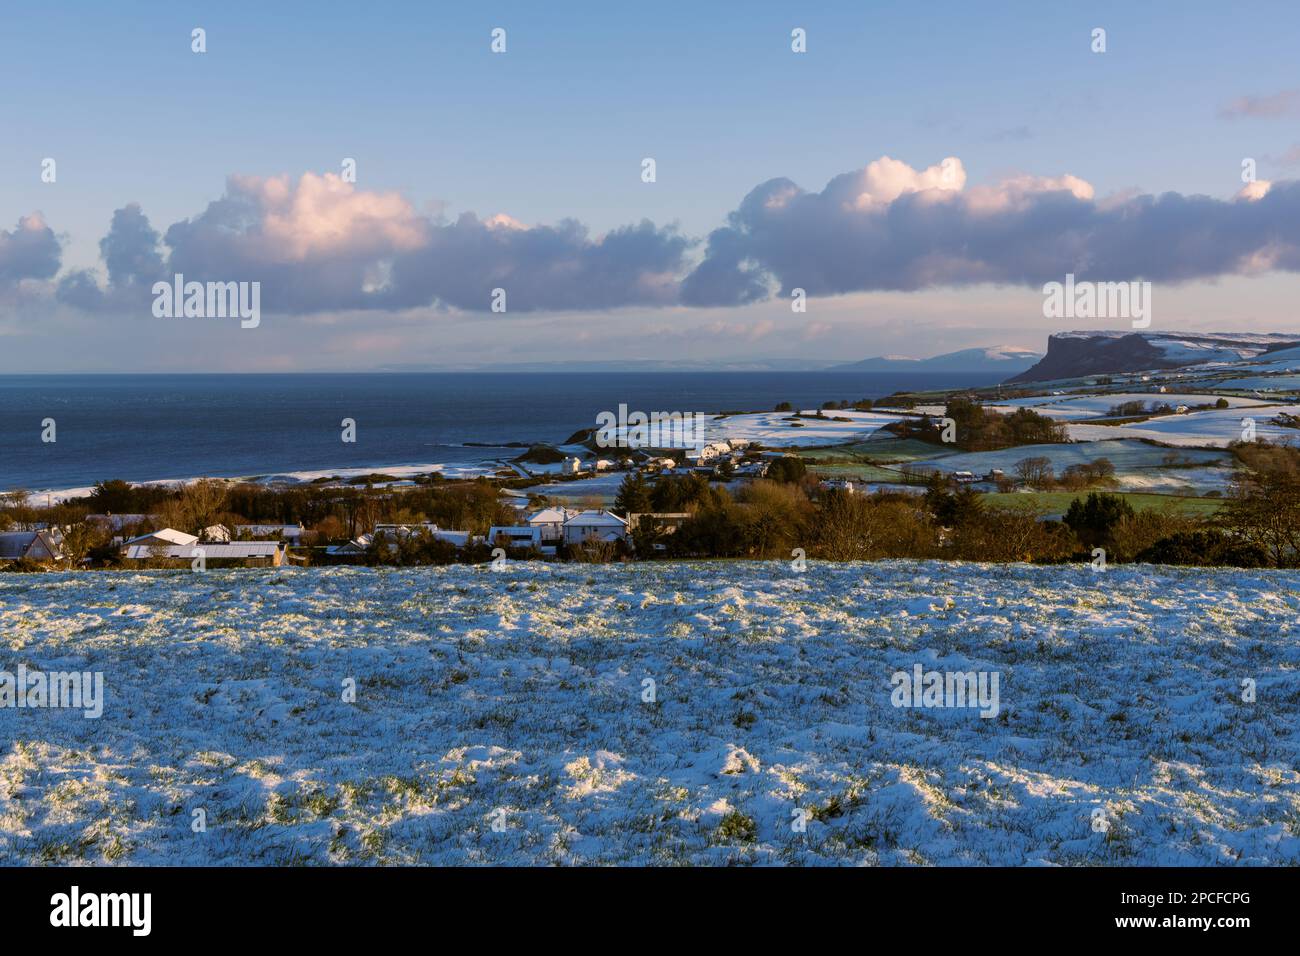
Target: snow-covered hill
1077,354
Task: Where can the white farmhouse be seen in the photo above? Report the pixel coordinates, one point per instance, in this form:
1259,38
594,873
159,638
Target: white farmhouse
594,526
550,522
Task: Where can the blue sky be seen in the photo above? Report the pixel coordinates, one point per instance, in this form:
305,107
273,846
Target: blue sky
556,129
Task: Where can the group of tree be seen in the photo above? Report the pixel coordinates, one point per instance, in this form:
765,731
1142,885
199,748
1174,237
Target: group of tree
976,428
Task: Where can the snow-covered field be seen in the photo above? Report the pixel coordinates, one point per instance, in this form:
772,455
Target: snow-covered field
779,429
1082,407
517,698
1127,455
1214,428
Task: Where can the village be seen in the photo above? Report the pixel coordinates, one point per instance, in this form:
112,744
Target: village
996,473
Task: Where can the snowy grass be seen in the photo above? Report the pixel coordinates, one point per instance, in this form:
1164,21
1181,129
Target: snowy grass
516,697
1213,428
1127,455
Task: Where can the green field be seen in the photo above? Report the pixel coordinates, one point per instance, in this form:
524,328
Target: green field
863,471
1056,502
879,451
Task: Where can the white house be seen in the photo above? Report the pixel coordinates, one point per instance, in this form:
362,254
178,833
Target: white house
36,545
712,451
392,533
550,522
458,538
290,532
514,536
594,526
571,466
358,545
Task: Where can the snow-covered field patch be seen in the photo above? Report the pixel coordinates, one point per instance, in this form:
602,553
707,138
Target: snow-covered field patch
1127,455
520,699
780,429
1215,428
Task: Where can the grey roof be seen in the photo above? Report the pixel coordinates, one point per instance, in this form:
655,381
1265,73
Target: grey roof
216,552
14,544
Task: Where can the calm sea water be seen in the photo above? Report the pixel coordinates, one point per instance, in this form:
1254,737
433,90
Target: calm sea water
148,427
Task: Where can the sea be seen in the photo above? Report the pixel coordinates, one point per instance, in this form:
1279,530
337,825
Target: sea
267,426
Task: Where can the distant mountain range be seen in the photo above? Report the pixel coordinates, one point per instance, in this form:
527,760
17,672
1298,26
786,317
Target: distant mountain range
1077,354
1002,359
627,365
999,359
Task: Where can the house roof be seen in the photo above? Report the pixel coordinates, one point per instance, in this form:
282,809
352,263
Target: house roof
513,531
14,544
458,538
236,549
169,535
602,519
551,516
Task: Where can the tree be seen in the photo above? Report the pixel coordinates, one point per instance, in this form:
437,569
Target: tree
1095,519
1264,511
1036,472
787,468
114,496
633,495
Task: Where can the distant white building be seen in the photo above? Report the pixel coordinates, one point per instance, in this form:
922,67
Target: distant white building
571,466
550,522
514,536
594,526
839,484
712,451
391,534
290,532
358,545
